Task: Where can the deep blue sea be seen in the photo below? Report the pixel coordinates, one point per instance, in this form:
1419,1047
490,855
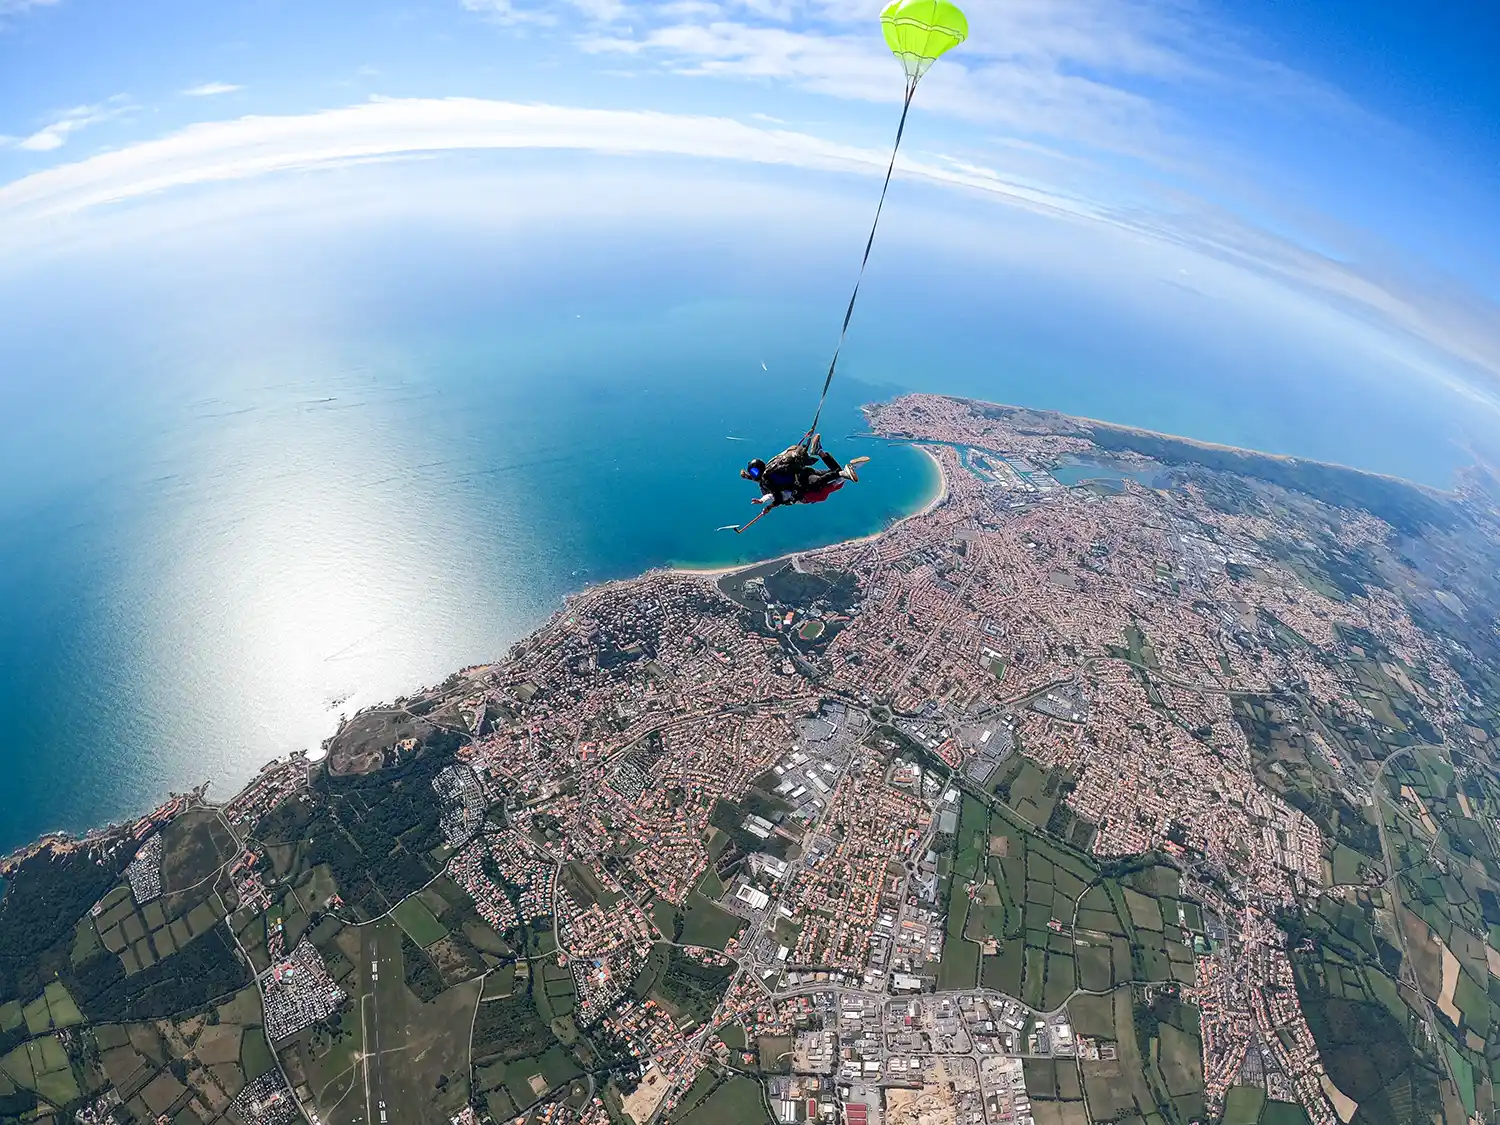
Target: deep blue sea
243,490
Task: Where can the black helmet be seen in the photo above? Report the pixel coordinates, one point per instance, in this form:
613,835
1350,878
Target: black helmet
755,468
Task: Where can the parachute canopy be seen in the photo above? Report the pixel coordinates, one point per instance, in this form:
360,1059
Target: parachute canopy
919,31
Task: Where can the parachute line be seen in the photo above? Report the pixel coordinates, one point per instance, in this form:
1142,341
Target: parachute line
911,89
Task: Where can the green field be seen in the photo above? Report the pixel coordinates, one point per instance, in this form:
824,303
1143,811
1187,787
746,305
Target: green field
42,1065
729,1099
1242,1105
418,921
1283,1113
705,923
255,1054
64,1011
959,967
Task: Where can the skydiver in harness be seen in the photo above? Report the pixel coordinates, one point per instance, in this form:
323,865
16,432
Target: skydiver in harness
792,476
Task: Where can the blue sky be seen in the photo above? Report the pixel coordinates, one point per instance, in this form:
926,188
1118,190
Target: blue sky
1349,152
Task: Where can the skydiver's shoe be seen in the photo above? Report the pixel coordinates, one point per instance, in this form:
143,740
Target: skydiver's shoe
815,446
848,473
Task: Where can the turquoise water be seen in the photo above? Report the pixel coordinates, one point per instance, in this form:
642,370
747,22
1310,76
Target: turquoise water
205,561
248,485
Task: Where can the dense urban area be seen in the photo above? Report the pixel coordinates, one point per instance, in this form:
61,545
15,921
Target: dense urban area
1134,780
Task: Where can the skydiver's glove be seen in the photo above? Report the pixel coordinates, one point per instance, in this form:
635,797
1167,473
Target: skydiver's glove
764,498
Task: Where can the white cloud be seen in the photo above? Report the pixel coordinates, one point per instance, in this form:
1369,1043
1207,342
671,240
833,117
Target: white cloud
509,13
382,129
210,89
544,13
1077,69
392,127
1110,78
18,7
55,134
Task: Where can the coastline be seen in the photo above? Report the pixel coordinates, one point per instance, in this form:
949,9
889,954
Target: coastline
933,502
84,837
1291,459
66,838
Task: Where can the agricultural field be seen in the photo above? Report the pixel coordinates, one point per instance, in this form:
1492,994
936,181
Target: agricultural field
42,1066
706,923
466,931
420,924
1364,1021
517,1058
1045,920
1435,926
142,936
721,1097
1056,1092
554,993
959,967
189,1069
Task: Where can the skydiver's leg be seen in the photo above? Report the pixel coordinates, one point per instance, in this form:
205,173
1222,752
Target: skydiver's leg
817,480
833,466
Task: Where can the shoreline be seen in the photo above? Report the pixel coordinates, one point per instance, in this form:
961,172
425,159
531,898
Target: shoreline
84,836
66,837
1215,446
933,502
100,833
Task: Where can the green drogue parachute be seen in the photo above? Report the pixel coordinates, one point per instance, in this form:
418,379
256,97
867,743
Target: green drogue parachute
918,32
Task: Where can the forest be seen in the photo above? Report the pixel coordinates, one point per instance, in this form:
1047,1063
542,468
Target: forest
43,902
207,969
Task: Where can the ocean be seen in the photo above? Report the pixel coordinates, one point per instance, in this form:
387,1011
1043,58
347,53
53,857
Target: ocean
217,583
240,496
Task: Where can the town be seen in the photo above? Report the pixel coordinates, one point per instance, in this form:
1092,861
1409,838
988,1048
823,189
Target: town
1000,817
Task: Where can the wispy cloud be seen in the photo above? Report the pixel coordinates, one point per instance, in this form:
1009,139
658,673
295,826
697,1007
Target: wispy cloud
387,127
55,133
210,89
1097,73
384,129
510,13
19,7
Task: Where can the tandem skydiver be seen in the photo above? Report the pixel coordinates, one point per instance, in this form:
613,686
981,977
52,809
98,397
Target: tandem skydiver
792,476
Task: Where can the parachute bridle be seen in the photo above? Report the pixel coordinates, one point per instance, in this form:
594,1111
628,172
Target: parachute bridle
911,89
